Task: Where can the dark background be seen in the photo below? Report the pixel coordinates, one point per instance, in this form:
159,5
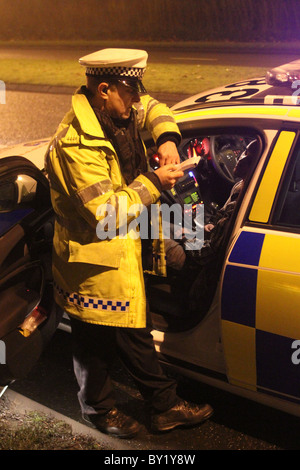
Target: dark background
151,20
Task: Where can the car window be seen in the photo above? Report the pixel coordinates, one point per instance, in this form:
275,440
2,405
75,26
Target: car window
287,211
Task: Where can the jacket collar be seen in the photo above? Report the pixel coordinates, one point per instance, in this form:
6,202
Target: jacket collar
85,114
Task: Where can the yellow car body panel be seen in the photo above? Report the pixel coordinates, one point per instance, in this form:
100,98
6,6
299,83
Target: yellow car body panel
262,206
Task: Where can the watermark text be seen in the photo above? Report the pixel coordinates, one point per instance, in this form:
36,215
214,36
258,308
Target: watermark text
2,92
2,352
296,354
169,221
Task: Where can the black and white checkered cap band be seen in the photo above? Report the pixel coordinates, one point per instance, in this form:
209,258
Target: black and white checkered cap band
130,72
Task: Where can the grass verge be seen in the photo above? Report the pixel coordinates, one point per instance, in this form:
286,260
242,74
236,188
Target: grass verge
169,78
36,431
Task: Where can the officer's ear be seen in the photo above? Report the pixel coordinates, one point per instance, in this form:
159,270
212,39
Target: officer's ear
102,89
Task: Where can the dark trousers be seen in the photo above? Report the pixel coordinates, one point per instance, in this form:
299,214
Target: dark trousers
94,349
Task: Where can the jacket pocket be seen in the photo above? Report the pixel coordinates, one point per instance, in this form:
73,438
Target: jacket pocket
103,253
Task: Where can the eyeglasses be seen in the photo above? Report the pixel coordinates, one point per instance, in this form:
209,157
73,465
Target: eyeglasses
134,84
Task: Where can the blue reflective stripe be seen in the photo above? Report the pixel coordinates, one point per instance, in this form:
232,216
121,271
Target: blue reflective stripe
240,282
9,219
275,368
239,295
247,248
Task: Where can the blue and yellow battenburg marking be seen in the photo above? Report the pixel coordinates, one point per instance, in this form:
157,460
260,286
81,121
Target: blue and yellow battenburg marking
261,312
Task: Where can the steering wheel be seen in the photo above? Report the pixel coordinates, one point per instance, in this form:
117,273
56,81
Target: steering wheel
224,155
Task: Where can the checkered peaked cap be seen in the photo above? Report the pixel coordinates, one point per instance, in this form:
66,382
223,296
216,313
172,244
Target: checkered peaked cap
125,63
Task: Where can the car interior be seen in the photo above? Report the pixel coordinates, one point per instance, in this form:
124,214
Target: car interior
209,184
290,214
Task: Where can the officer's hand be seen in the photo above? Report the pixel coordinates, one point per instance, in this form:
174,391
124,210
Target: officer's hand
168,175
168,153
209,227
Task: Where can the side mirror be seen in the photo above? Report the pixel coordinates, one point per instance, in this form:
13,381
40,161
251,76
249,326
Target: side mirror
17,193
26,189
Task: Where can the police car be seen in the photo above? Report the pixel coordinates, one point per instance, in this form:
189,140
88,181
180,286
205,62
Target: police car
244,335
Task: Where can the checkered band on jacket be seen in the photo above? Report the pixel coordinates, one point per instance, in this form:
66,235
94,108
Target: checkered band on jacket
131,72
112,305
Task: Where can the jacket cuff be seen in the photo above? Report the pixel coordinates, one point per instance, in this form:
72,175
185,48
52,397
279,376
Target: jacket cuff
154,180
168,136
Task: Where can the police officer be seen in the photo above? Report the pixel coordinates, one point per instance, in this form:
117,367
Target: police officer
97,160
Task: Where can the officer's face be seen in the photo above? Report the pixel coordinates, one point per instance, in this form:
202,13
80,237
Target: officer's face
120,99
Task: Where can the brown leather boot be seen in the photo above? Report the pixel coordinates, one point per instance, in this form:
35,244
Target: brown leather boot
115,423
182,414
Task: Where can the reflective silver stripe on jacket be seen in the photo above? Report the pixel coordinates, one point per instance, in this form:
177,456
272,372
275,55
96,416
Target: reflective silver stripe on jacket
160,120
151,104
141,114
93,191
142,191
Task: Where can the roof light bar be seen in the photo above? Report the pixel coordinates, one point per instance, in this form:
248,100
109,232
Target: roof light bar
284,74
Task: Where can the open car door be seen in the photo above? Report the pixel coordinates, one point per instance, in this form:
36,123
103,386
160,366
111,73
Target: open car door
261,281
28,315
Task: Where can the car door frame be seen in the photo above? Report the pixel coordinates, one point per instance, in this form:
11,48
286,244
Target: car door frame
23,253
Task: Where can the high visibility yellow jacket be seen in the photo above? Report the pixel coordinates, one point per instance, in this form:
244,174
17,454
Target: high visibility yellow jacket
99,281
